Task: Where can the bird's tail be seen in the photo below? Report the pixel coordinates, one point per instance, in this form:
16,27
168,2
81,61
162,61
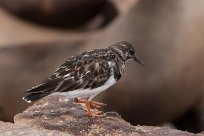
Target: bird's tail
41,90
34,96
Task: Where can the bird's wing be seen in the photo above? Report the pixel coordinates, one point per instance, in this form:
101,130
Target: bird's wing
49,84
84,74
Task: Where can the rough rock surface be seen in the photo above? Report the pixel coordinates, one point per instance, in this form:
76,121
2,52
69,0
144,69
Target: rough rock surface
10,129
53,113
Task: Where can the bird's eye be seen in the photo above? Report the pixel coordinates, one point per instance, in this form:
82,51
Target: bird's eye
131,52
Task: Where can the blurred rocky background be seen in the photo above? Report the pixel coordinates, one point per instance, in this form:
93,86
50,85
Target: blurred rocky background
36,36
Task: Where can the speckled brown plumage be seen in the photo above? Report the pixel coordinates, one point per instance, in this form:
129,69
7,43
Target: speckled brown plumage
88,70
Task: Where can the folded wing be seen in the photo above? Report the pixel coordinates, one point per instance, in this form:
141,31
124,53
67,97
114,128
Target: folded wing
71,76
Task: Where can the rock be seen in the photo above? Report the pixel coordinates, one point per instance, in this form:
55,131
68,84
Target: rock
52,113
56,13
10,129
68,13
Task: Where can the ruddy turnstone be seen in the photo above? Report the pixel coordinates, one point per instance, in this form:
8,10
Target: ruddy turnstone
84,76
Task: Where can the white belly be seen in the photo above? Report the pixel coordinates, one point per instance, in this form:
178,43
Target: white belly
88,93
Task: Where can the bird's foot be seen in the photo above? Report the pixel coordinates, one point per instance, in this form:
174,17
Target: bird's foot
91,112
97,113
94,104
87,104
97,105
79,100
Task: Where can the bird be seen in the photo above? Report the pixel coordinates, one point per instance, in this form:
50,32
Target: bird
81,77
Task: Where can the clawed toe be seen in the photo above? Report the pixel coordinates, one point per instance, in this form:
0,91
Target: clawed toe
97,113
97,105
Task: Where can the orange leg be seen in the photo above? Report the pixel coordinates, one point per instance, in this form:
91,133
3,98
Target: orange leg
97,105
94,104
88,107
89,112
76,100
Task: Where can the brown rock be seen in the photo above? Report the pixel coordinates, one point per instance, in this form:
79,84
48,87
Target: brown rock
55,12
53,113
10,129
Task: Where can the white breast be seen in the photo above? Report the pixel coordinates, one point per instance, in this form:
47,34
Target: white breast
88,93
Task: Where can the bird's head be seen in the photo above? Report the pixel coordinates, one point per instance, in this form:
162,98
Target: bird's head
125,51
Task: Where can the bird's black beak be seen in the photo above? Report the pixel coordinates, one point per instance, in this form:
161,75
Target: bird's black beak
137,60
